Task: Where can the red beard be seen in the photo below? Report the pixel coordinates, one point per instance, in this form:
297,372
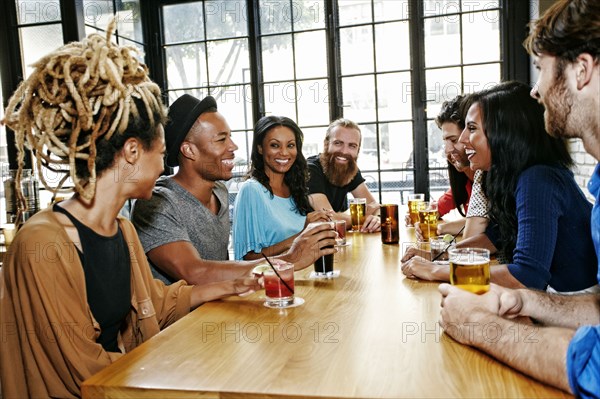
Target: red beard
338,174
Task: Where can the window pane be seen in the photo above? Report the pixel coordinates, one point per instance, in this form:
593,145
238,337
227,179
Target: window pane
437,156
439,7
89,30
480,77
441,48
226,18
129,21
474,5
311,55
278,61
367,158
394,96
397,141
354,11
227,61
359,98
186,66
243,139
98,13
235,104
309,14
141,49
481,37
39,11
183,23
275,16
36,41
393,186
392,46
356,47
199,93
313,106
438,183
387,10
313,140
280,99
443,84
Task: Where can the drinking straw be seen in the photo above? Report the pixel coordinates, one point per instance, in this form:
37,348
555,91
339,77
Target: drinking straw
449,244
275,270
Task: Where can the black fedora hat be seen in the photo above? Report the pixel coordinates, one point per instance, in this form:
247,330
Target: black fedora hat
182,115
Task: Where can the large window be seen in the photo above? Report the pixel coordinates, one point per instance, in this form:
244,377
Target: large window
206,51
98,14
313,60
386,64
462,55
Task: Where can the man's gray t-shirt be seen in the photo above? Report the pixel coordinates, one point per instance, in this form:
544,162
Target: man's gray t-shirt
174,214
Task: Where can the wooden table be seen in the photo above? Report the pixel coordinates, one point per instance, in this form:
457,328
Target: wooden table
370,333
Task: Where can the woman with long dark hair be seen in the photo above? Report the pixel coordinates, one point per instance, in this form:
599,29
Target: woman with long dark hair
272,207
543,217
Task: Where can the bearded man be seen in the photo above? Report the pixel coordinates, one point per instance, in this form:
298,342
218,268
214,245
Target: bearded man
334,173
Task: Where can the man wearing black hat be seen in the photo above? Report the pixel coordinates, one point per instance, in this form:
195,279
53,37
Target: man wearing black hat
184,227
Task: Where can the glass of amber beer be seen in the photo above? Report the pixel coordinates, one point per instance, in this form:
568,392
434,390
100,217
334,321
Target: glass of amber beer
415,203
358,208
470,269
428,219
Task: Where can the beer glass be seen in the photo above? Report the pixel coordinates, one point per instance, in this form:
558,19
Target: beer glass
358,208
439,248
389,224
470,269
415,203
428,219
9,230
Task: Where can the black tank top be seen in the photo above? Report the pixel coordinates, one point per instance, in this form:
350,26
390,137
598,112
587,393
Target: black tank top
107,270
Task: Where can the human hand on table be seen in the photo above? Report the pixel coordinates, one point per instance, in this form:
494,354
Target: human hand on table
414,251
372,224
462,311
247,285
418,267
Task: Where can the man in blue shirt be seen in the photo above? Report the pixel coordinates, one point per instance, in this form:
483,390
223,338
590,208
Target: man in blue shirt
565,350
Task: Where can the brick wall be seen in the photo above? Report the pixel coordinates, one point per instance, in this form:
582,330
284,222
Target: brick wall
584,165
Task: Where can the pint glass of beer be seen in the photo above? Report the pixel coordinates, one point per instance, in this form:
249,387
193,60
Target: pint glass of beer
428,219
358,208
415,203
470,269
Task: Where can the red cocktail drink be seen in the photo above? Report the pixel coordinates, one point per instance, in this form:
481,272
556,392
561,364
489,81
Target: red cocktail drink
280,293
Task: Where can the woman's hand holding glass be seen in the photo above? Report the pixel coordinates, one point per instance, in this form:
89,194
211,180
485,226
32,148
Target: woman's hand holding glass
318,216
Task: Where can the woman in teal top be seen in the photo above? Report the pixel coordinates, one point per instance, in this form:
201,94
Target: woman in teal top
272,207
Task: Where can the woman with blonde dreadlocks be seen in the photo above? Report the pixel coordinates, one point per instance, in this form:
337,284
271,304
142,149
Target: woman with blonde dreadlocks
76,290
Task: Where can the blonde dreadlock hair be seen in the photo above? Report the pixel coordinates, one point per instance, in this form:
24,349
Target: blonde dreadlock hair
78,107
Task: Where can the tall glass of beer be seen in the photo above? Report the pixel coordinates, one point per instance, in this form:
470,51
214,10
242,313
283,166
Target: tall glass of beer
428,219
358,209
415,203
470,269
